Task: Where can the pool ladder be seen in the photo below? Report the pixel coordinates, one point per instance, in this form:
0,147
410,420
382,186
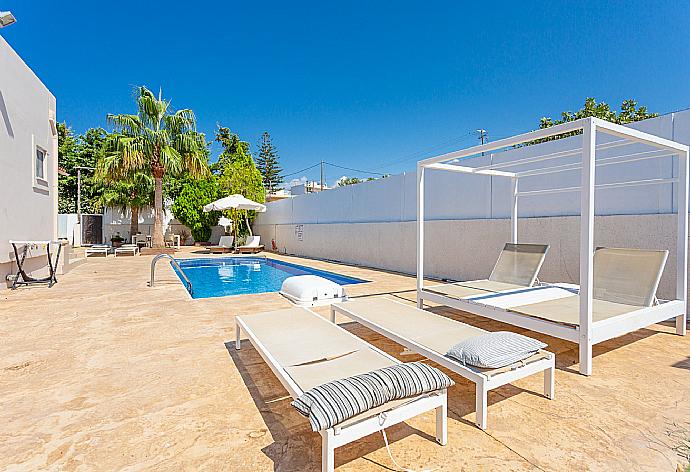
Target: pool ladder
175,264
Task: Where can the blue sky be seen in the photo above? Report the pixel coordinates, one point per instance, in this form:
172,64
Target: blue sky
368,85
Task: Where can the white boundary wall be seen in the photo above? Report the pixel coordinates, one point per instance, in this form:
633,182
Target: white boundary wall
462,239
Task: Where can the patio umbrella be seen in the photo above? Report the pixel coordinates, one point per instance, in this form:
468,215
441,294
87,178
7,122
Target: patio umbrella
237,202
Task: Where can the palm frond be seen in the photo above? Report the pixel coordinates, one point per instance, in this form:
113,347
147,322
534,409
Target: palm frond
171,160
126,124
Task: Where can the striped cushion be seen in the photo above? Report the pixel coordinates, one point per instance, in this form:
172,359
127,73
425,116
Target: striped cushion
495,350
334,402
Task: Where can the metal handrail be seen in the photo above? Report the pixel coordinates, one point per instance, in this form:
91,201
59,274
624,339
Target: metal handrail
175,264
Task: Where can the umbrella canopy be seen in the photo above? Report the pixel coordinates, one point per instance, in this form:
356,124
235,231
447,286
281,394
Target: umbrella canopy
234,201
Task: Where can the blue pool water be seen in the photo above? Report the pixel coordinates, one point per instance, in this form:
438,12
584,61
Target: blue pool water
219,277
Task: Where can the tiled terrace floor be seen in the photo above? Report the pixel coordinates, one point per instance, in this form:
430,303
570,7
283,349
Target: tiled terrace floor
102,372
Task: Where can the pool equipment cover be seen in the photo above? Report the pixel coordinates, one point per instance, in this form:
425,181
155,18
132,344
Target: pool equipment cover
312,290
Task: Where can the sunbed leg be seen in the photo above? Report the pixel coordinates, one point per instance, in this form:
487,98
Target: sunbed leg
442,421
681,323
549,379
585,358
482,400
332,314
327,451
237,335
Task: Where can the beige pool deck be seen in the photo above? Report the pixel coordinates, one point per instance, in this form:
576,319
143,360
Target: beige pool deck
102,372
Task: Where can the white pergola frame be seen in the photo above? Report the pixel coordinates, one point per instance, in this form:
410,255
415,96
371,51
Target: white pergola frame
587,333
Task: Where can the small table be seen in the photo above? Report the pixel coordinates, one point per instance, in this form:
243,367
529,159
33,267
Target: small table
52,267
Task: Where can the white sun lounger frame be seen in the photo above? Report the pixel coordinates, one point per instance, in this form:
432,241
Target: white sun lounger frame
339,436
484,381
587,333
131,248
97,249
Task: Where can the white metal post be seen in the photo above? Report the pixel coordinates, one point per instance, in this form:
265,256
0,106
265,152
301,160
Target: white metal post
514,210
682,243
589,133
420,234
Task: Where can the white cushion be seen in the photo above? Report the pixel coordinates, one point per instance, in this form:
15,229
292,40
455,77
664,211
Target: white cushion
310,290
495,350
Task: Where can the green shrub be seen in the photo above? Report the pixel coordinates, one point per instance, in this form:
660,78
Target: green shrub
189,207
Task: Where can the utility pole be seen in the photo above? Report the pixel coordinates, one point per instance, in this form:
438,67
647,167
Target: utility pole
78,195
322,175
482,135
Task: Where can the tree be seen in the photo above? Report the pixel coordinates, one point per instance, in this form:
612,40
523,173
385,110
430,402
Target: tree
80,151
189,204
629,112
239,175
268,165
134,193
158,143
233,148
345,181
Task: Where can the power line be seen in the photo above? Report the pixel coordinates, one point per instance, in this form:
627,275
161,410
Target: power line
300,171
422,152
354,170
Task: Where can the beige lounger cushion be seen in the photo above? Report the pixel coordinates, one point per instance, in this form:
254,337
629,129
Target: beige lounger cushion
472,288
517,267
348,365
295,336
428,329
313,351
567,310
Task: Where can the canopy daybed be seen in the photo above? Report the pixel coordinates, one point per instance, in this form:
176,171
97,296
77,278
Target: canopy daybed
554,304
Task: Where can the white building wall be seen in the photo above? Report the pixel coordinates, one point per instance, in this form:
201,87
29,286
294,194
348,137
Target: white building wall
29,206
458,196
372,223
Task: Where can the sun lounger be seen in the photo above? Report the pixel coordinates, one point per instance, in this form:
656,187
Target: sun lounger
132,249
304,350
433,335
224,245
623,300
517,267
97,249
625,281
251,245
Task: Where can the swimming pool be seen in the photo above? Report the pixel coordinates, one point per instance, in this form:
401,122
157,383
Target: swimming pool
223,276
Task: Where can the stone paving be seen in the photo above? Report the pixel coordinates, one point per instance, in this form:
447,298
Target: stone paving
102,372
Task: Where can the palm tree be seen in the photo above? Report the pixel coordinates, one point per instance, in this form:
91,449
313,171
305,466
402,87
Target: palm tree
156,142
135,193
